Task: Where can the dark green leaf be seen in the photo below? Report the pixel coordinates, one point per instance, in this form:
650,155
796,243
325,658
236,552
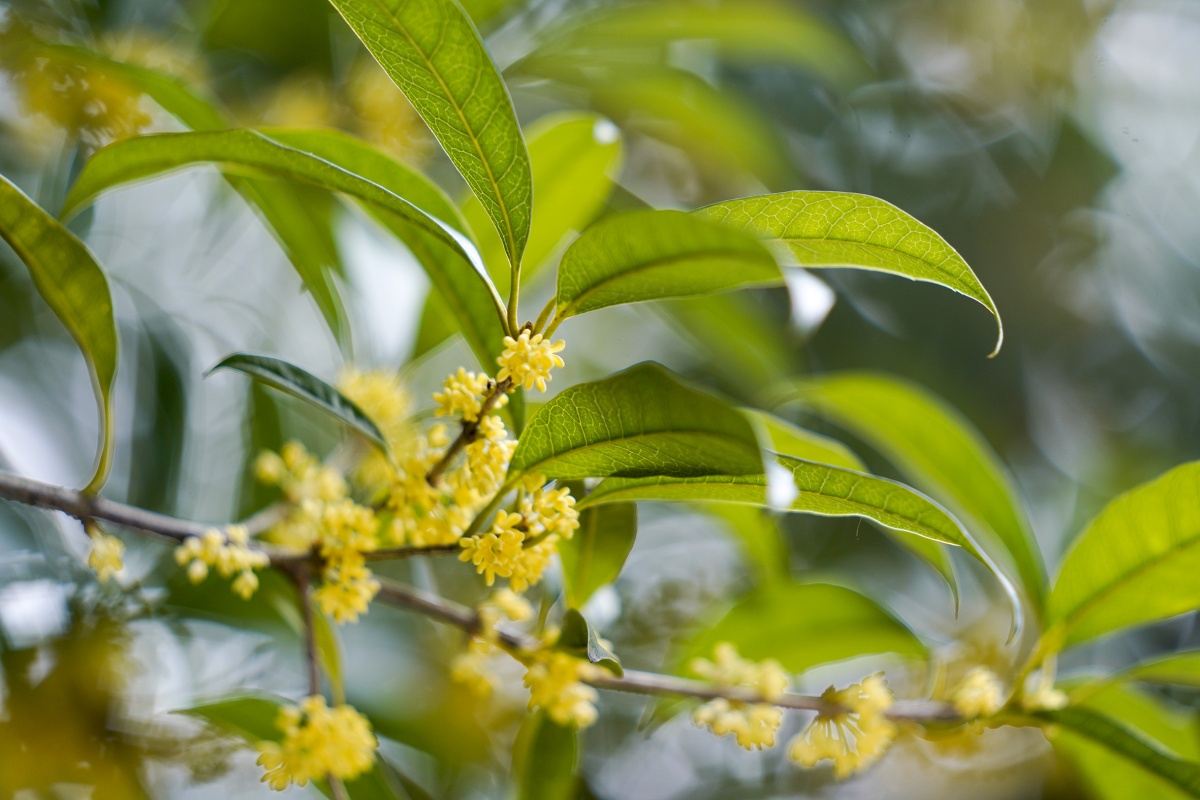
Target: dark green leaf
639,422
937,449
1136,562
594,556
578,637
544,759
75,287
839,229
433,53
650,255
301,384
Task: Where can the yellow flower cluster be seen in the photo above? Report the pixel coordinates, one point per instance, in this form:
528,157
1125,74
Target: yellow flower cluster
227,553
383,398
299,474
345,530
106,556
979,694
462,395
318,742
528,359
555,684
752,724
853,736
472,668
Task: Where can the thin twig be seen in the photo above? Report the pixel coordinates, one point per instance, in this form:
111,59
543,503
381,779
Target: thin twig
470,430
392,553
649,683
301,579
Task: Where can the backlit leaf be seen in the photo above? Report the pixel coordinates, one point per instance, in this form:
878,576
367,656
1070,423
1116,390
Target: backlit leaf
544,759
594,555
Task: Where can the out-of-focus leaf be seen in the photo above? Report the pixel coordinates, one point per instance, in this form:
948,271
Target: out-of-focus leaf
330,653
433,53
594,555
250,716
802,625
301,384
758,532
639,422
1177,669
575,157
651,255
742,30
144,157
781,436
578,636
937,449
1136,562
840,229
75,287
544,759
1119,739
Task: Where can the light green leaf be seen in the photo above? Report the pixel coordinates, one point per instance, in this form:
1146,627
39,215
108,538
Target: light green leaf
650,255
1119,739
839,229
75,287
781,436
757,531
594,555
643,421
578,637
1136,562
937,449
434,54
544,758
802,626
575,158
1177,669
330,653
144,157
301,384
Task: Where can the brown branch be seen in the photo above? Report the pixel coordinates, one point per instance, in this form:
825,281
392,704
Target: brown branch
409,551
470,430
648,683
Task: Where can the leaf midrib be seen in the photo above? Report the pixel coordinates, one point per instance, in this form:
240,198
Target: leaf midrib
487,167
649,434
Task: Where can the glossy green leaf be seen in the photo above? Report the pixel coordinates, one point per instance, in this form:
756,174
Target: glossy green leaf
651,255
839,229
594,555
1177,669
1136,562
643,421
1119,739
802,626
939,451
544,759
785,438
301,384
434,54
575,157
75,287
144,157
578,636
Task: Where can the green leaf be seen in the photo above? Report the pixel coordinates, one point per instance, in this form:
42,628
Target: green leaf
1118,739
575,158
144,157
75,287
250,716
1136,562
781,436
594,555
1177,669
937,449
577,636
803,625
301,384
640,422
544,759
434,54
839,229
650,255
330,653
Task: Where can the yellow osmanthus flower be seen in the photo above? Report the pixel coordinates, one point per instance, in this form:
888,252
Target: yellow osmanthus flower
473,667
462,395
299,474
318,742
382,397
228,553
106,557
385,116
344,531
752,724
979,694
554,680
855,735
528,360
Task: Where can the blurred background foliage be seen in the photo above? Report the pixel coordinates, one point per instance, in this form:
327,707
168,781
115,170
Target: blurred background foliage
1052,142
